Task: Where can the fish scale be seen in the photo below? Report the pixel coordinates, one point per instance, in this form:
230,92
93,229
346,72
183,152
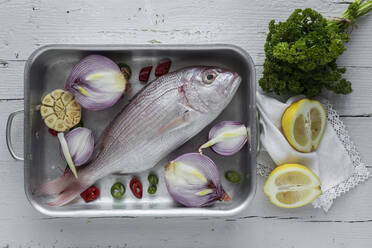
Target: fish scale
151,92
147,122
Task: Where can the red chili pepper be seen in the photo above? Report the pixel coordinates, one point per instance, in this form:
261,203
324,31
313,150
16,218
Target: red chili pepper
145,74
90,194
52,132
136,187
162,68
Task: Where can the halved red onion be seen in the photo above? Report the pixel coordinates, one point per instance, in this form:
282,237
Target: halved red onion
96,82
77,147
80,143
193,180
226,138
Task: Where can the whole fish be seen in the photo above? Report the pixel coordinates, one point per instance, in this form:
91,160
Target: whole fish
160,118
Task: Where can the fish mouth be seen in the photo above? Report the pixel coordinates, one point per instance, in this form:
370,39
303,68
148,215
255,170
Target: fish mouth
237,79
234,82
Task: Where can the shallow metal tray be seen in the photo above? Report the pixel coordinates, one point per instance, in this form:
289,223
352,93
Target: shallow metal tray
48,68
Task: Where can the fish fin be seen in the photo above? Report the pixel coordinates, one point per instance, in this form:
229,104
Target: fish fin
66,187
171,125
55,186
176,123
69,194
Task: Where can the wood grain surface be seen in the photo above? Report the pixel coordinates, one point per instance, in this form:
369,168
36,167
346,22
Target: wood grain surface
26,25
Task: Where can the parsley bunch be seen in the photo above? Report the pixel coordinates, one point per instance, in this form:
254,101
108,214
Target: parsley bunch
301,52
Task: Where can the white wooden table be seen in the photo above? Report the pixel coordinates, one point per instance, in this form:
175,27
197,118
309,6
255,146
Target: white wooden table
28,24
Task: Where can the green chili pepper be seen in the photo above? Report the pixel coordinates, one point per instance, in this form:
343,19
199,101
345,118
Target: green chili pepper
233,176
153,179
117,190
125,69
152,189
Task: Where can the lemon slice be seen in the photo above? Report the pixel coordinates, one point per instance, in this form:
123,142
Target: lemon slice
292,186
303,124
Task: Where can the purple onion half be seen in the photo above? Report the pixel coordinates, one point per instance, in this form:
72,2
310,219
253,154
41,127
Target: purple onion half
96,82
193,180
231,145
80,142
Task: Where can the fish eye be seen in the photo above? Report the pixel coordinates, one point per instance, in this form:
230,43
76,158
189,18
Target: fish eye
209,77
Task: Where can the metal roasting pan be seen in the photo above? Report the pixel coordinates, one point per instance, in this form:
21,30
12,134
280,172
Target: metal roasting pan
48,68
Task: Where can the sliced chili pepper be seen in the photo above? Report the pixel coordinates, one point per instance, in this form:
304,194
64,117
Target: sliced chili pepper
117,190
153,179
145,74
90,194
52,132
152,189
233,176
163,68
136,187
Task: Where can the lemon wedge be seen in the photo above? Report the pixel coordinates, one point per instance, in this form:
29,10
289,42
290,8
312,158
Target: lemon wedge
303,124
292,186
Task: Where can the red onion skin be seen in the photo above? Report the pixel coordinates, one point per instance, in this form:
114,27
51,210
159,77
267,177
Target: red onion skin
219,148
84,67
208,168
85,158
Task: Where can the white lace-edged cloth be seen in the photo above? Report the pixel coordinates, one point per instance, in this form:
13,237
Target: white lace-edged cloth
336,161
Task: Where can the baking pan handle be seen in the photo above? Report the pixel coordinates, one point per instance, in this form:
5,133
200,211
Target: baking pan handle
9,136
258,131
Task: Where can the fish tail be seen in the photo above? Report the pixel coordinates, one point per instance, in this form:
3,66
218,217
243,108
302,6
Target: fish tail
55,186
68,194
66,188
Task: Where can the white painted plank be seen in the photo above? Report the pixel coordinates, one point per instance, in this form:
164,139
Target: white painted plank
11,79
179,233
30,24
359,102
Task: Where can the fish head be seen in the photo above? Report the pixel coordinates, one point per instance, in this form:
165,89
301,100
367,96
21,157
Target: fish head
210,88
